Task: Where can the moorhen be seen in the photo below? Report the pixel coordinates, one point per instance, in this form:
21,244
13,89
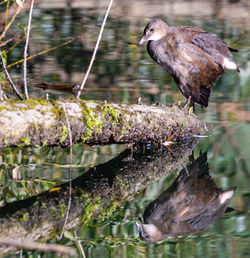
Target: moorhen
195,58
189,205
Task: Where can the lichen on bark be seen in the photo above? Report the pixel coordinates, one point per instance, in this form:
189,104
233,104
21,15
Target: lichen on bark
40,122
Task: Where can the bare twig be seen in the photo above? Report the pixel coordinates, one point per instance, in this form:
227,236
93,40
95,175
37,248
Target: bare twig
3,2
14,45
95,50
25,52
70,170
2,94
11,21
6,42
6,12
38,246
79,245
9,79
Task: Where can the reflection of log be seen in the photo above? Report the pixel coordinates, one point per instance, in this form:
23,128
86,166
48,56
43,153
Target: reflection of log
37,122
95,194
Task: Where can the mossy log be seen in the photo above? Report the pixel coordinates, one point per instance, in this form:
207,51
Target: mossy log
95,194
39,122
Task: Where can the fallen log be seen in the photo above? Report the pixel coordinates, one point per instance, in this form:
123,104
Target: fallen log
40,122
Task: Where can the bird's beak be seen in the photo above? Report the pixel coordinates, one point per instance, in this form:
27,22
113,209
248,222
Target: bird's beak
139,227
143,39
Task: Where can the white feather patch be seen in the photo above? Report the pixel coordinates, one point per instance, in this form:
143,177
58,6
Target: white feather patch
226,196
229,64
156,36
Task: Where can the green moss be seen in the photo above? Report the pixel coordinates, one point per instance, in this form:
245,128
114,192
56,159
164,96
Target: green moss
105,213
26,141
122,184
29,104
24,217
44,143
35,203
62,207
43,206
37,101
64,134
35,127
92,122
57,111
89,210
112,112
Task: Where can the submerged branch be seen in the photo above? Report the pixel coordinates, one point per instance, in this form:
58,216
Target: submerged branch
38,246
38,122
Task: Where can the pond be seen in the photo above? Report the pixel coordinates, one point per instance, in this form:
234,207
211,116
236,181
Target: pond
119,183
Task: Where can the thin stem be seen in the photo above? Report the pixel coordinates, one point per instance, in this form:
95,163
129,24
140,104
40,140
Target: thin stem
11,21
6,13
2,94
70,170
79,245
95,50
3,2
6,42
25,52
9,79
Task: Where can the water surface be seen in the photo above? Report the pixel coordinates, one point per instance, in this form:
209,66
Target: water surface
123,72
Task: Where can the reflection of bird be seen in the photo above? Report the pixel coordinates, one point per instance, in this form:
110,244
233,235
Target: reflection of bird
189,205
194,58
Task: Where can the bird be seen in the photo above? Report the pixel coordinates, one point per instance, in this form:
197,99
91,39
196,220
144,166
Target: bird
195,58
189,205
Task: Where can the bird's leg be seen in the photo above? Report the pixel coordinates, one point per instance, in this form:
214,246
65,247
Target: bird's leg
189,105
188,102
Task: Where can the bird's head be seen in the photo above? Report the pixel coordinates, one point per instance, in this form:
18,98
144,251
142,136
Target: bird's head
149,232
155,30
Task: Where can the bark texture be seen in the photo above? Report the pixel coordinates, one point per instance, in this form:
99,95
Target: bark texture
38,122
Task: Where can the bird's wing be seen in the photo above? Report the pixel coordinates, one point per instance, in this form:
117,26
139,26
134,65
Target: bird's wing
195,72
189,31
215,47
209,43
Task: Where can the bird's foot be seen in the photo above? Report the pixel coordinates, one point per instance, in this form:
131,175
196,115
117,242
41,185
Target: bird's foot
191,110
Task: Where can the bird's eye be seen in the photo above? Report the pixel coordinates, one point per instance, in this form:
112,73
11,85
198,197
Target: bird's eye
151,29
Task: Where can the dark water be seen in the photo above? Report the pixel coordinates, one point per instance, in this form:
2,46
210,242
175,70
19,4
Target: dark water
123,72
